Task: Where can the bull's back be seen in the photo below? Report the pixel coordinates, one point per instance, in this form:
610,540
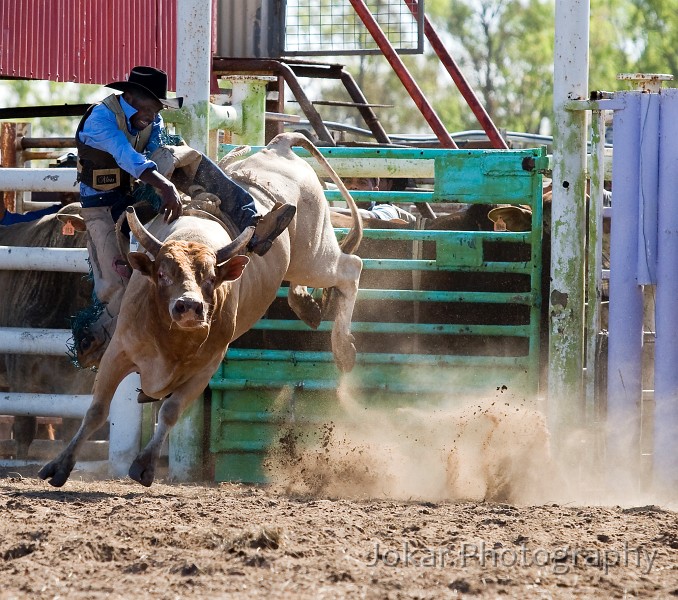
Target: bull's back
280,173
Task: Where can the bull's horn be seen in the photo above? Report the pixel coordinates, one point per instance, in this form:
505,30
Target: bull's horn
151,244
223,254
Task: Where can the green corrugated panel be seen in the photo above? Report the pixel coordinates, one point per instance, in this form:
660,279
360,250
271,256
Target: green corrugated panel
492,177
241,435
241,355
477,374
258,392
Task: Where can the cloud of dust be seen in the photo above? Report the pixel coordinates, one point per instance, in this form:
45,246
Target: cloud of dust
607,464
493,449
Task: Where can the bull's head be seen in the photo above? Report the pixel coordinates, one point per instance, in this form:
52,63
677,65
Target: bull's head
186,274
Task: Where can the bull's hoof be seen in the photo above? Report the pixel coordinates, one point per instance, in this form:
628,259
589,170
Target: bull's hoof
142,472
57,471
345,356
307,309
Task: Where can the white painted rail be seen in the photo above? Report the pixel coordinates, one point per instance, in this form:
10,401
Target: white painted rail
21,258
38,180
44,405
15,340
126,413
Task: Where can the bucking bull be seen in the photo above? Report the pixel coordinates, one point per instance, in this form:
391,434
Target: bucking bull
192,293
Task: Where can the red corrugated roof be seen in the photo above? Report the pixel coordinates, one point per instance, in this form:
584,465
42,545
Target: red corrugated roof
86,41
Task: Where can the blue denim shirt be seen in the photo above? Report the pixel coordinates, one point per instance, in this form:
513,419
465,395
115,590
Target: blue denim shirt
11,218
101,131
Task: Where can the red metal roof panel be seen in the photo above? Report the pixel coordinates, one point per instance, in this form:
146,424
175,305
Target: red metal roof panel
86,41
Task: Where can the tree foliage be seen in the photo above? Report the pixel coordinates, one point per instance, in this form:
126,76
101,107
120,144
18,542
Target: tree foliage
653,27
22,92
504,49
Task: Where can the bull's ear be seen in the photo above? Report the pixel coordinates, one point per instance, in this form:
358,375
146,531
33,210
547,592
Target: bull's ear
141,262
232,269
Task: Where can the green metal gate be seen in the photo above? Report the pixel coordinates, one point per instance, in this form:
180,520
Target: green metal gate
440,314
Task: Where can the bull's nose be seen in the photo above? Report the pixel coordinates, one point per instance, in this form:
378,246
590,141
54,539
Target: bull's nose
185,305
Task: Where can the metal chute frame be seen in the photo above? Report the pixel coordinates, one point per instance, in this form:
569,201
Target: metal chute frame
283,372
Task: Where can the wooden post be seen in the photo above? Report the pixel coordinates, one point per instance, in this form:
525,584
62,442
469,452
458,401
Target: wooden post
7,159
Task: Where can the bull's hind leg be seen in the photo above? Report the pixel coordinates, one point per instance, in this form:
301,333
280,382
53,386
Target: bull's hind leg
143,468
342,295
347,288
114,367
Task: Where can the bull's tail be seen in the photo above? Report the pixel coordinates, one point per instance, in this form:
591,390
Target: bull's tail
233,156
355,235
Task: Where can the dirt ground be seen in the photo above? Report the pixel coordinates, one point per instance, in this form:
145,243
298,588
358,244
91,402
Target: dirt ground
404,504
115,539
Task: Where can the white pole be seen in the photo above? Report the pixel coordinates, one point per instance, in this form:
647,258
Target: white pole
194,68
21,258
15,340
125,431
566,356
185,447
44,405
38,180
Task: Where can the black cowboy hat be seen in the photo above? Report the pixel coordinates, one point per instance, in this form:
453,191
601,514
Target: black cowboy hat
150,80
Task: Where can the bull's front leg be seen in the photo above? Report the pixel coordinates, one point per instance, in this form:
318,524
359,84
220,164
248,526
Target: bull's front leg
144,466
58,470
114,367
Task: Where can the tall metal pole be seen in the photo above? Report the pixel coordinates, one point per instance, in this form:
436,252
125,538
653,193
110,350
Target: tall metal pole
665,455
594,280
7,159
566,302
194,69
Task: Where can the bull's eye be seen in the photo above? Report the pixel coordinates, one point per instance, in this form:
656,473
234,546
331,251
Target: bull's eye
208,286
164,278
